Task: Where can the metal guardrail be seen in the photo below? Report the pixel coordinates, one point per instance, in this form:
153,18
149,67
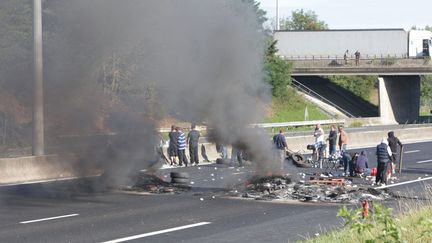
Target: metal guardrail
277,124
299,123
301,87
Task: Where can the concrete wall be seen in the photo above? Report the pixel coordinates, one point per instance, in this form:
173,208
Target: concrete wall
35,168
399,99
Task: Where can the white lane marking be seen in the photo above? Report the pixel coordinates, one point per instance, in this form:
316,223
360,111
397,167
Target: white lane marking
424,161
45,219
405,182
412,151
134,237
238,173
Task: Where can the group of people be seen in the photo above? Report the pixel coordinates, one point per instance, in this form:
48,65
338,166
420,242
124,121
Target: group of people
237,155
347,56
177,146
357,163
320,145
386,153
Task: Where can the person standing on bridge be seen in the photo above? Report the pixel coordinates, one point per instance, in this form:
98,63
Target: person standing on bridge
343,140
280,144
192,140
383,153
357,58
346,56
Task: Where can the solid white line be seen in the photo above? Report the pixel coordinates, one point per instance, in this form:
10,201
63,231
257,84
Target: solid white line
403,183
134,237
412,151
424,161
45,219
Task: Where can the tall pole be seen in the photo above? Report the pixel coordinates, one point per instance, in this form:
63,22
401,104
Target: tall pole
38,106
277,15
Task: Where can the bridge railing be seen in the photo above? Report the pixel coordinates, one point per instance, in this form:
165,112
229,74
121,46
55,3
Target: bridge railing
341,57
302,88
364,62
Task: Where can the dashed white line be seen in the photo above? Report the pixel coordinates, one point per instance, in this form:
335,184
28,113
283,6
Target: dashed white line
134,237
51,218
424,161
412,151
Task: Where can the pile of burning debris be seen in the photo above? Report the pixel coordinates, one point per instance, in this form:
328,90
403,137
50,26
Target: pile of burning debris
314,190
153,184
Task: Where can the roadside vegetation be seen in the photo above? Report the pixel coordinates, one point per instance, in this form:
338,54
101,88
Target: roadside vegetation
293,108
382,225
426,95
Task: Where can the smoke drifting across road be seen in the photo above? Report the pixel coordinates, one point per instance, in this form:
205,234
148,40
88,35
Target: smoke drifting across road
199,61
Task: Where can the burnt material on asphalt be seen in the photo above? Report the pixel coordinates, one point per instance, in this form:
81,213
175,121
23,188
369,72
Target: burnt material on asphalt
282,188
153,184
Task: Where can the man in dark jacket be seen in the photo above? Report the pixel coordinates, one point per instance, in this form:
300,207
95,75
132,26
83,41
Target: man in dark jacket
383,153
281,147
332,140
362,163
192,140
393,141
173,145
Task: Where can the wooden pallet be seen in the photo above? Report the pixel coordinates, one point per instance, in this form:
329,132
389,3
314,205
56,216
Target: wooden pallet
327,181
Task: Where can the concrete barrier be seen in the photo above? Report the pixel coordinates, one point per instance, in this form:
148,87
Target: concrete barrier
368,138
37,168
54,167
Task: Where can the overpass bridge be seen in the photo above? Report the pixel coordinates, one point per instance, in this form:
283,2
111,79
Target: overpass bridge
308,66
398,79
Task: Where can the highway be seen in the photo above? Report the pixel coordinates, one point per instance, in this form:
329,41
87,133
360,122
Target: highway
68,212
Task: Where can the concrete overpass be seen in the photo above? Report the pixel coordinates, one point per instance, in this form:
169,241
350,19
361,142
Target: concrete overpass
398,78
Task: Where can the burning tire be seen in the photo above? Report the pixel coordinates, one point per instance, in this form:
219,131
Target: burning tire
298,158
180,180
183,175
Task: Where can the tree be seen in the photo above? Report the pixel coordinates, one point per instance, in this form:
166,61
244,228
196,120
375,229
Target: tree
278,71
303,20
260,13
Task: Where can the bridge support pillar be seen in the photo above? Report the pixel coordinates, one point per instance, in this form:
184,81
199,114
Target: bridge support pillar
399,99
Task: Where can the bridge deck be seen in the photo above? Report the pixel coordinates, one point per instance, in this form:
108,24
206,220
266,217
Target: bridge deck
379,66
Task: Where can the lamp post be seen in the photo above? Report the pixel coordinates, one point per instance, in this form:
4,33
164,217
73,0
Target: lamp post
277,15
38,106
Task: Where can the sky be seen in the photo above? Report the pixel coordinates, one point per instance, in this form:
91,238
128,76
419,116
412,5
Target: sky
356,14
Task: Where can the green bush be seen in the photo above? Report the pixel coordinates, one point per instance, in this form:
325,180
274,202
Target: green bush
361,86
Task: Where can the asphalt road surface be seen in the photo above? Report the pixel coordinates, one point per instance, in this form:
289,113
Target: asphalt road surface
65,212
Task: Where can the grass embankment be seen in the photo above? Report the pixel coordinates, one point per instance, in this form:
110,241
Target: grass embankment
413,226
293,109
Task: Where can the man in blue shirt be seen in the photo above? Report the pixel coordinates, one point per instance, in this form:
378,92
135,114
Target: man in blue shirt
181,141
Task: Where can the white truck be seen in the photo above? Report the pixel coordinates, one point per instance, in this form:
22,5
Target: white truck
371,43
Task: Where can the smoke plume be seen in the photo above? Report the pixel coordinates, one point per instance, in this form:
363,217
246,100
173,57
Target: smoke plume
119,66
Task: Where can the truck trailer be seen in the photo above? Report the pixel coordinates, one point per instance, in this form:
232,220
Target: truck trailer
371,43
